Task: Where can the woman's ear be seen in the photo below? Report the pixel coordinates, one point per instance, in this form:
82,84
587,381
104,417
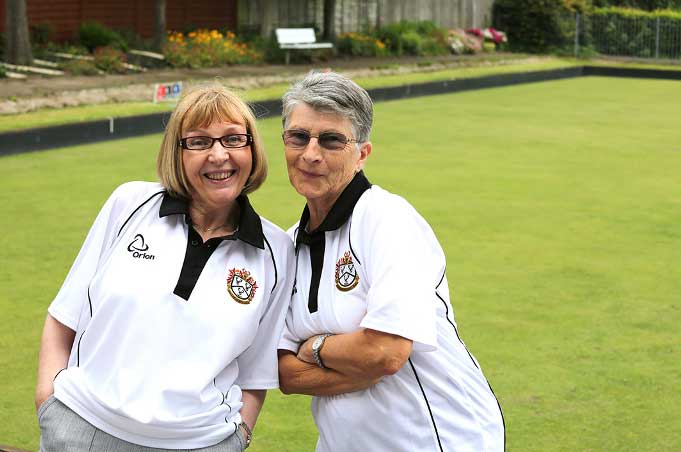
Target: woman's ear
364,152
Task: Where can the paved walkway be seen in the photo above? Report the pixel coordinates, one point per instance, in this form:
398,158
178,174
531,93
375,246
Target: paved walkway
36,92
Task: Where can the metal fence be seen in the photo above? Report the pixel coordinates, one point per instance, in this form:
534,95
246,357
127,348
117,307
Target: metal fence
627,36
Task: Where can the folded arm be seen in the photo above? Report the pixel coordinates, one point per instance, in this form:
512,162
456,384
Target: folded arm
354,361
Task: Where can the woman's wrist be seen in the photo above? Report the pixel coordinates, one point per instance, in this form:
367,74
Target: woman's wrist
248,433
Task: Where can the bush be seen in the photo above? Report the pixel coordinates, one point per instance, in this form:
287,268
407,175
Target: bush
80,67
109,60
358,44
3,72
94,34
413,38
41,34
206,48
535,26
633,31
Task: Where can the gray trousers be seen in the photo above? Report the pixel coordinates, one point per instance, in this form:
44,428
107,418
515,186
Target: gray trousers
62,430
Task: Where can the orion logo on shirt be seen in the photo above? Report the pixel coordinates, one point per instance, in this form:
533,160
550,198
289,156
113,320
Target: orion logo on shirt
137,247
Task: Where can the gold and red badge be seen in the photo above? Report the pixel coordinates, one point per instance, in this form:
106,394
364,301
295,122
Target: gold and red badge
347,277
241,285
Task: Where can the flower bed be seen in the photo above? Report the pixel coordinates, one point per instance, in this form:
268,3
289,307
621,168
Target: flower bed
206,48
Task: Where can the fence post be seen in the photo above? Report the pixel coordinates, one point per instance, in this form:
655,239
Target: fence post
577,34
657,38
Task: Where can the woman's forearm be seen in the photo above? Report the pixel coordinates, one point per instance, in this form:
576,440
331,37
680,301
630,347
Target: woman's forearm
55,348
253,401
364,353
299,377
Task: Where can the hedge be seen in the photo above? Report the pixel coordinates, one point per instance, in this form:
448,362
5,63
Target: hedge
634,31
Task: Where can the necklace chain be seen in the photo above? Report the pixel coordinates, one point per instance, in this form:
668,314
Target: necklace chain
215,228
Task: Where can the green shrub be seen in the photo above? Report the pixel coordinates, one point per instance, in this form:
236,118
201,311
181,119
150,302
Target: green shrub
359,44
633,31
79,67
93,35
41,34
109,60
648,5
3,72
413,38
534,26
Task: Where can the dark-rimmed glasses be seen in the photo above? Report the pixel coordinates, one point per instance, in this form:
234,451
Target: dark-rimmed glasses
231,141
332,141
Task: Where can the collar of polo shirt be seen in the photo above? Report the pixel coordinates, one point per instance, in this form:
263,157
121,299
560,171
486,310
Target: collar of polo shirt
341,209
250,227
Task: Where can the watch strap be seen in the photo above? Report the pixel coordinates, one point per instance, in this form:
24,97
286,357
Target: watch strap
316,351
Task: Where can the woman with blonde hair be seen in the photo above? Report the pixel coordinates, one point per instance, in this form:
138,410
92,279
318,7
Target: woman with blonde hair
164,333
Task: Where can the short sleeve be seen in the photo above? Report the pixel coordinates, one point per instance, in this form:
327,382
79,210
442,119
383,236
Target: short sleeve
289,341
258,365
403,262
73,295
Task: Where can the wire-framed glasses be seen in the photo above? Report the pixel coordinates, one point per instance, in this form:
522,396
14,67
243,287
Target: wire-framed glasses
332,141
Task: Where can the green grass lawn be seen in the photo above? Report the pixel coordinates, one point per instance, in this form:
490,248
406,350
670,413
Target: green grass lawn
558,205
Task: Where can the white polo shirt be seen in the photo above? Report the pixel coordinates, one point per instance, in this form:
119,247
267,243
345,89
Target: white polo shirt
170,329
383,268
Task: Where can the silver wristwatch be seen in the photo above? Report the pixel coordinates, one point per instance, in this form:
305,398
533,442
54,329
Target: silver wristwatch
317,345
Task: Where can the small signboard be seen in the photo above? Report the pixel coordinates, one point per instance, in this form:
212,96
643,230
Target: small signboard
167,92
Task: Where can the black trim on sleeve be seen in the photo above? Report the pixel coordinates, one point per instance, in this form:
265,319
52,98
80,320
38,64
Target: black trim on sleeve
78,349
425,398
338,215
89,300
456,331
136,209
274,263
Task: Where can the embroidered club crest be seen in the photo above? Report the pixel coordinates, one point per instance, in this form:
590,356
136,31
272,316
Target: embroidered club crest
347,277
241,285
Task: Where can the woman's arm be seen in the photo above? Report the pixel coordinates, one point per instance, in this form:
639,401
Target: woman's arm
364,353
55,348
253,401
300,377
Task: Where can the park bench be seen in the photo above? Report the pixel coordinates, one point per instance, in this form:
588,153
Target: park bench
299,39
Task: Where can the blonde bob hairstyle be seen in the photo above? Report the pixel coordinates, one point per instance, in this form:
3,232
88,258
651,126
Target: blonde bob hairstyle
201,107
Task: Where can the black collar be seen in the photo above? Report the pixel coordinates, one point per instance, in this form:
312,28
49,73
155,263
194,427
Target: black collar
341,209
250,226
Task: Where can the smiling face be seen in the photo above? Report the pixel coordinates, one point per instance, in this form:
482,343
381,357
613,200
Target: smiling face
217,175
318,174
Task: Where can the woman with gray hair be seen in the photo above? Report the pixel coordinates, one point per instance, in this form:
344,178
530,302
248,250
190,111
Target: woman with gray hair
370,333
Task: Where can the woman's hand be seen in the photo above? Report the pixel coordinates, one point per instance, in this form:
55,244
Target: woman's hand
305,351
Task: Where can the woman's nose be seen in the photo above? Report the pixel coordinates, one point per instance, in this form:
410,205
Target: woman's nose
218,152
312,151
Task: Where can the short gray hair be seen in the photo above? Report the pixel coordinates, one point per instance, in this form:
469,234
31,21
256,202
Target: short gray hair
330,92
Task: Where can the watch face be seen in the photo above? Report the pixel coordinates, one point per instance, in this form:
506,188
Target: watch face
317,342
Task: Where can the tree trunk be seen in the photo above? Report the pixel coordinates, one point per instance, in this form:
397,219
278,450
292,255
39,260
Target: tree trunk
160,24
269,17
17,42
329,20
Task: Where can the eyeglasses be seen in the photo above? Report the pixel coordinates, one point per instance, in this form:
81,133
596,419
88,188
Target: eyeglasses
235,140
332,141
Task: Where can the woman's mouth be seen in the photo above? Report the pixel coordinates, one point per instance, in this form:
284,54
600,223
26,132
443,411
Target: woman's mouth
219,176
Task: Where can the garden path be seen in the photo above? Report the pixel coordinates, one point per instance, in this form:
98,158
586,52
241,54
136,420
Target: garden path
37,92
